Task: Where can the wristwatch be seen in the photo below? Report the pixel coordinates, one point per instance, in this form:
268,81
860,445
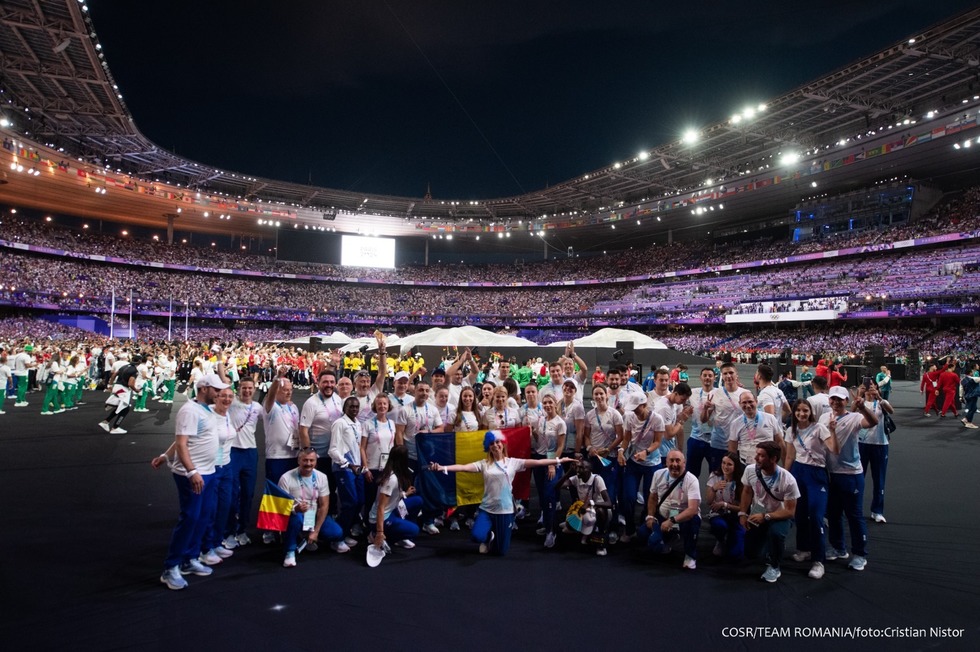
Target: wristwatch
767,517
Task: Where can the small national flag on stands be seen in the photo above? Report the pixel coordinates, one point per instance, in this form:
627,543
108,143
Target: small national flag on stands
275,509
439,490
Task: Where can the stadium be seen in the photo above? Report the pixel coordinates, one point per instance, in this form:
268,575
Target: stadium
838,220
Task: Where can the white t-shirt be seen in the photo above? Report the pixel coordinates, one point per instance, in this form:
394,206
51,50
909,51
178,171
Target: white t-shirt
548,432
22,363
380,440
589,490
848,459
642,434
875,435
390,489
281,426
699,430
571,414
245,421
305,490
819,405
226,434
602,428
810,444
726,410
772,395
197,421
498,478
677,500
417,419
749,433
319,414
782,485
506,418
366,413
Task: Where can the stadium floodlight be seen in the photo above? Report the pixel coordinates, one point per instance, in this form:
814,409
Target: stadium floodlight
643,156
761,108
789,158
749,113
690,137
736,119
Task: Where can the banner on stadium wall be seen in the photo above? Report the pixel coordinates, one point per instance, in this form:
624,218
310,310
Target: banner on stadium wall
770,317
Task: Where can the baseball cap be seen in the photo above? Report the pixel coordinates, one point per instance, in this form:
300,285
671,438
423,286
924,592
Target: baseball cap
402,374
569,381
633,401
211,380
838,392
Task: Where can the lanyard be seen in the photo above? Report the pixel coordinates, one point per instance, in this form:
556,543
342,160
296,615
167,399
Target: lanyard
377,430
248,416
418,424
309,501
755,426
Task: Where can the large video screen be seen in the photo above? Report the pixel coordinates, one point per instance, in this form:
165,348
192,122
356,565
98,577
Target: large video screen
358,251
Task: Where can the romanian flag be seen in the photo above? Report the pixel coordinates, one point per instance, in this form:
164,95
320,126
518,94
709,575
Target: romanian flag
275,509
439,490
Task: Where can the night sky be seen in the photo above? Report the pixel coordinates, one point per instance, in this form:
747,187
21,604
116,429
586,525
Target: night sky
480,99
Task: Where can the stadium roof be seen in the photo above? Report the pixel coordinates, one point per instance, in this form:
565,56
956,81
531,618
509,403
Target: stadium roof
60,87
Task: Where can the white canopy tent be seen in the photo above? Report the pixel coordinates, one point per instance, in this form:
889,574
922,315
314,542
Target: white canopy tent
608,337
462,336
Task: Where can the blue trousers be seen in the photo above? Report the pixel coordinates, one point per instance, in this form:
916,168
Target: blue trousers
275,469
547,496
697,452
499,524
847,501
244,466
811,507
222,507
185,542
769,538
611,475
971,410
714,458
635,476
876,456
398,528
730,534
350,490
653,538
329,531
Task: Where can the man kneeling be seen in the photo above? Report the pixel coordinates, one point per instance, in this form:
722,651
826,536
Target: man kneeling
674,502
309,521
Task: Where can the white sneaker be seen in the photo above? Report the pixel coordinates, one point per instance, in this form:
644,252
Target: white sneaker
243,539
195,567
485,547
802,555
268,538
601,552
816,571
430,528
407,544
290,560
350,541
223,552
454,526
549,541
171,577
858,563
104,425
211,558
117,431
229,543
972,426
689,563
339,546
879,518
21,404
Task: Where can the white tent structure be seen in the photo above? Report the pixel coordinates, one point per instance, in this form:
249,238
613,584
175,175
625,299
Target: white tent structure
332,340
371,343
607,338
462,336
